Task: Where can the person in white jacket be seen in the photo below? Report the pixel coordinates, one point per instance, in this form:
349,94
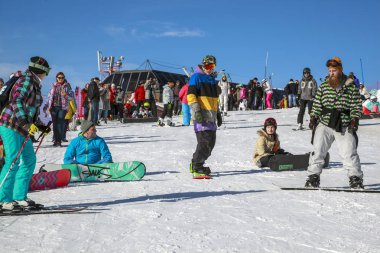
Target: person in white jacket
223,97
268,92
167,100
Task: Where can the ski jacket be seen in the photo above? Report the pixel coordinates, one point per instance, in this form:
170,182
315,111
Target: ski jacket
167,95
265,145
149,87
243,93
291,87
224,87
93,92
112,92
183,93
140,93
370,104
307,88
104,99
87,151
202,97
24,104
267,87
346,100
60,95
120,97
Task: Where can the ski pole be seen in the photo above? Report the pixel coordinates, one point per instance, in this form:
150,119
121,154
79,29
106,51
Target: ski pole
14,160
43,136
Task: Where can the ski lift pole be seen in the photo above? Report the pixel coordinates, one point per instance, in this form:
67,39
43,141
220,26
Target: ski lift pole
15,160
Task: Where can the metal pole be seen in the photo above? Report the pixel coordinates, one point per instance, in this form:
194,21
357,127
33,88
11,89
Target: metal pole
361,65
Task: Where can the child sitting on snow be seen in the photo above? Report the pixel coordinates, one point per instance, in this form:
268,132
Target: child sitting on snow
267,144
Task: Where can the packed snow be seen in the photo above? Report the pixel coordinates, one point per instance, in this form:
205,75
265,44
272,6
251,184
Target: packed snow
242,209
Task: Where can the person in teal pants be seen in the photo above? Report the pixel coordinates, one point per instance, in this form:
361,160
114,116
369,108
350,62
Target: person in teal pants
16,119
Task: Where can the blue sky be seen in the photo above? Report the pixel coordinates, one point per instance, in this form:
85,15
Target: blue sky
295,33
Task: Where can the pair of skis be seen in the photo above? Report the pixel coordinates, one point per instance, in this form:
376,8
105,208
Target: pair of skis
46,210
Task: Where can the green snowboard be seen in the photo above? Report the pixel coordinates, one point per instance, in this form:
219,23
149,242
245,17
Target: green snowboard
125,171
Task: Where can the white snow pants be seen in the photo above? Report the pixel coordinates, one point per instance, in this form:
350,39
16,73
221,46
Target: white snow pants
346,142
223,102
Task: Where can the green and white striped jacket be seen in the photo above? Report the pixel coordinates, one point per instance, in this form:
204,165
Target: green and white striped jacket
347,100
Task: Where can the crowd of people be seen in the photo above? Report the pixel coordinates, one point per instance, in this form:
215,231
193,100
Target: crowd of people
334,109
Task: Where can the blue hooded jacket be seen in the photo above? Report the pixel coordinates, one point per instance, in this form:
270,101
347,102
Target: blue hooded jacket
87,151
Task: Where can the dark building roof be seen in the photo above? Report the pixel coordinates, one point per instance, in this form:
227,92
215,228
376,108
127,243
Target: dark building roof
129,79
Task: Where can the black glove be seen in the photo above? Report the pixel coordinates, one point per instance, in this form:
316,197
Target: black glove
313,122
353,127
219,119
43,129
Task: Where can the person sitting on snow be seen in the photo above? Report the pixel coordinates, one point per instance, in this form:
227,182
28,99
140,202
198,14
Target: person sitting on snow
87,148
267,144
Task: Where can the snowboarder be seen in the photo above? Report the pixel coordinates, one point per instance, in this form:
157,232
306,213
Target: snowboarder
202,97
267,144
306,94
87,148
15,121
167,100
335,116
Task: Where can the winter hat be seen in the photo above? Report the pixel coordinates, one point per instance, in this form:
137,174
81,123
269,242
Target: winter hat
270,122
85,125
1,80
209,59
306,70
39,65
335,62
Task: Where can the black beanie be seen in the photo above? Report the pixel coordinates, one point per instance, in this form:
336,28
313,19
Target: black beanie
39,65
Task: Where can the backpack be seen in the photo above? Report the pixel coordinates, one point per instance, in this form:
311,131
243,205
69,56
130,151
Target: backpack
6,90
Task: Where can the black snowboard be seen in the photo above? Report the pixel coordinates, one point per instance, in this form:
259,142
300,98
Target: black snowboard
292,162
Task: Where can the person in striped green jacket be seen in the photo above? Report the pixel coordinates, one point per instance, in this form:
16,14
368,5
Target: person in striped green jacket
335,116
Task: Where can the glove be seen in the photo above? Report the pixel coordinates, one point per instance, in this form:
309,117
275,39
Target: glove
313,122
353,127
170,106
219,119
198,116
33,129
43,129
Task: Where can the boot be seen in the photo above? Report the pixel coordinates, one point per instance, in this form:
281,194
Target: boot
201,171
160,122
312,181
299,127
10,207
356,182
29,204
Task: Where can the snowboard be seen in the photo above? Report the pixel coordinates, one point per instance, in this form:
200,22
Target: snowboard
292,162
202,177
50,180
46,210
333,189
123,171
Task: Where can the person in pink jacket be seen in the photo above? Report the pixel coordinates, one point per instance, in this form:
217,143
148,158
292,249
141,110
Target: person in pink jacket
186,115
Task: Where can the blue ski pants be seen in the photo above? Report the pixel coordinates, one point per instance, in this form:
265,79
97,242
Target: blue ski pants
16,184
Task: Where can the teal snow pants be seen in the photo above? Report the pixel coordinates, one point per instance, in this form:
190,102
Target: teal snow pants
16,184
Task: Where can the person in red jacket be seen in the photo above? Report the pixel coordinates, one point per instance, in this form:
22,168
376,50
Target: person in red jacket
113,101
140,95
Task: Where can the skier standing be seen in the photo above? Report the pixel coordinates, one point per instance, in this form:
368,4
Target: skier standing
335,116
223,97
306,92
15,121
203,101
167,99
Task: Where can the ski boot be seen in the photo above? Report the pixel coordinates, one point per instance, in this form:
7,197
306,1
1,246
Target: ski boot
202,173
313,181
299,127
356,182
170,123
29,204
160,122
10,207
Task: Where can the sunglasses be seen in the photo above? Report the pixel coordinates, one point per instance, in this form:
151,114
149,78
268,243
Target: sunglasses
333,63
210,66
60,77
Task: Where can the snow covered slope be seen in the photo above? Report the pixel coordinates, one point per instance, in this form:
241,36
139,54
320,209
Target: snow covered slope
241,210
